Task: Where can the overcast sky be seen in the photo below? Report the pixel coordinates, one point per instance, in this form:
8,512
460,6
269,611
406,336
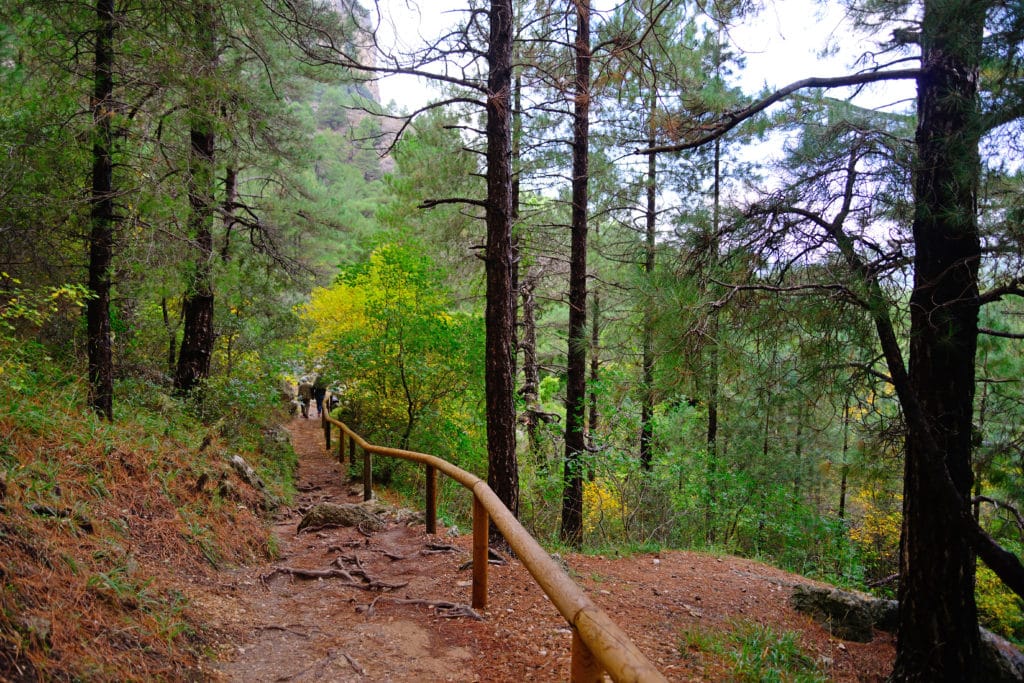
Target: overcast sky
782,45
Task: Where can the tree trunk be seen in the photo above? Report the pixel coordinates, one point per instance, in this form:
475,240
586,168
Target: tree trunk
172,336
938,622
230,198
711,481
198,334
517,131
101,238
531,374
576,379
844,468
594,417
647,399
503,470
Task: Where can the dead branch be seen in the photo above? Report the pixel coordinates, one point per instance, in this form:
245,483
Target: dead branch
892,578
443,547
1001,504
354,664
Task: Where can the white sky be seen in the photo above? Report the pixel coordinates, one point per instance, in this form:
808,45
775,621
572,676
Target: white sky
782,45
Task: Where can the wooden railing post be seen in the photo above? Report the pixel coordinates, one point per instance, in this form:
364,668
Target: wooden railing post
431,496
367,475
480,529
341,446
584,668
327,431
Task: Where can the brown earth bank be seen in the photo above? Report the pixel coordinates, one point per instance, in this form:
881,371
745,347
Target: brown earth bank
392,605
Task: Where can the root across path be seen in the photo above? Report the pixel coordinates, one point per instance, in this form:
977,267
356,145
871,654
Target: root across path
352,604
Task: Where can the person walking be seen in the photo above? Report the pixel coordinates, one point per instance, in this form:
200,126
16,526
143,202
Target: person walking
305,394
319,393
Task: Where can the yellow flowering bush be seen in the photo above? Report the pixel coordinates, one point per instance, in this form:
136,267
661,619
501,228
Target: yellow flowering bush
601,506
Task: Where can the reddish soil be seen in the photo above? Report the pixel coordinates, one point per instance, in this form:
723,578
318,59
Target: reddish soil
271,626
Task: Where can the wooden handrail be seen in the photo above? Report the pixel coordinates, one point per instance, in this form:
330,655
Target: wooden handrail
598,644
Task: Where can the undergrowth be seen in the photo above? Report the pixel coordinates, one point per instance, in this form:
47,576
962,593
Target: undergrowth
753,653
99,522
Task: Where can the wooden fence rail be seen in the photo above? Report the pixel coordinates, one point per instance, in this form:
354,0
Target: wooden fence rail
599,646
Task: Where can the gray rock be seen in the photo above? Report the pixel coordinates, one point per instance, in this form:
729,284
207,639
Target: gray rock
852,615
1001,662
846,615
249,476
346,515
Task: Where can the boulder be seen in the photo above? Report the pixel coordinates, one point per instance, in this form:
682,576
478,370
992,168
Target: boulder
852,616
347,514
846,615
1001,662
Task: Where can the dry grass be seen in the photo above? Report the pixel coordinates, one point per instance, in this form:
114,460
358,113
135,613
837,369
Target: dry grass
97,523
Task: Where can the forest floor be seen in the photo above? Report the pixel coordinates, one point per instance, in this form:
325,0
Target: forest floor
269,625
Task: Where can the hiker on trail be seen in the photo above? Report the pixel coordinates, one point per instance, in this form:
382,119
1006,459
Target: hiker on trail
319,392
305,393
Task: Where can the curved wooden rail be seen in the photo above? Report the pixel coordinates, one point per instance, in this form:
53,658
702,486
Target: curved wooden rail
598,644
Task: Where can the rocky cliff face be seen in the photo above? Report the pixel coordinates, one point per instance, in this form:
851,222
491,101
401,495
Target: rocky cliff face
357,15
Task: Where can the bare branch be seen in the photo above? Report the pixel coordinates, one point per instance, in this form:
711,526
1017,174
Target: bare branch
431,203
1001,504
731,119
997,333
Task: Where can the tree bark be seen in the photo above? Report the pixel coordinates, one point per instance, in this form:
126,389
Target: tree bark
531,373
198,333
594,416
499,381
651,217
938,622
101,237
576,379
230,198
713,353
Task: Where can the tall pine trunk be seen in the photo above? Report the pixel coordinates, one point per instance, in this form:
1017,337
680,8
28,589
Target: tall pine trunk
938,622
651,217
499,380
576,378
530,390
198,333
711,370
101,237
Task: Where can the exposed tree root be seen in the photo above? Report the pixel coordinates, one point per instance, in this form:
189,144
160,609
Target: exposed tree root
346,577
442,608
275,627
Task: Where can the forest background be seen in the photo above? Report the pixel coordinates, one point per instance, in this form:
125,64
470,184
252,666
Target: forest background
203,202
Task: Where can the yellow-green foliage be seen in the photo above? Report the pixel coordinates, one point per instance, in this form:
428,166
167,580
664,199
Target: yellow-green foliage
385,333
877,531
602,507
1000,609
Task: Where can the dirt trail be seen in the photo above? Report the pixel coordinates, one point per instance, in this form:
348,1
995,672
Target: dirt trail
290,629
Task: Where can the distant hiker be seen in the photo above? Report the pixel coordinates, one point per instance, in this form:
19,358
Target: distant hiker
319,392
305,393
